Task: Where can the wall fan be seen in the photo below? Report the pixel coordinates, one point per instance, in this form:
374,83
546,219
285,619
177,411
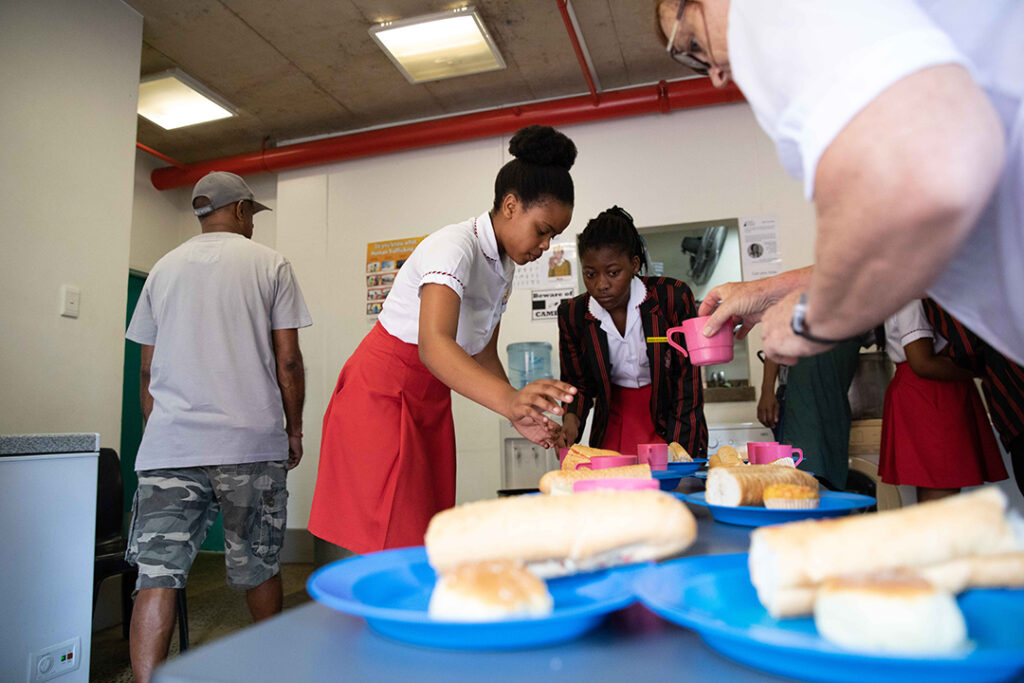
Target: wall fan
704,252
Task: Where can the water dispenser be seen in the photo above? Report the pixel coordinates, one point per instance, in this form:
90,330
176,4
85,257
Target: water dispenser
528,361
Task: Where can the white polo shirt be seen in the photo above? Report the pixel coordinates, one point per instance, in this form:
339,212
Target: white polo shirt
208,308
807,67
908,325
627,352
465,258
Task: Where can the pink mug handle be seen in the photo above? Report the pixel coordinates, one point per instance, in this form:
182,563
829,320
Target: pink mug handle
588,466
800,451
677,347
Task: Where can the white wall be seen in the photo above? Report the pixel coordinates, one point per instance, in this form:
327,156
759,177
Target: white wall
683,167
67,131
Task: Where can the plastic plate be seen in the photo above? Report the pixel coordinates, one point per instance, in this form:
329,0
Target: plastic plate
687,469
832,504
391,590
713,595
668,480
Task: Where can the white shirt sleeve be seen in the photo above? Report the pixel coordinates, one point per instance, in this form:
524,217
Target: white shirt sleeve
910,323
289,310
142,329
807,67
446,259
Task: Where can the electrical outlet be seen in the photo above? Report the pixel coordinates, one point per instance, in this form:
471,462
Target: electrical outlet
55,660
70,298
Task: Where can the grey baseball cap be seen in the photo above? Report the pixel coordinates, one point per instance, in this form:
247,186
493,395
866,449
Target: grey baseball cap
223,188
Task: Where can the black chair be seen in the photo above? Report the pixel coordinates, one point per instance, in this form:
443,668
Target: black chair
110,544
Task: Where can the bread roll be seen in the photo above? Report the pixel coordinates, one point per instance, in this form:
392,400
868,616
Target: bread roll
783,462
1005,570
489,591
801,555
579,454
726,456
894,612
559,535
557,482
732,486
676,453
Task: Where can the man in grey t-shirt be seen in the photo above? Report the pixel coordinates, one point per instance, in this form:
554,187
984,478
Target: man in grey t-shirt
222,389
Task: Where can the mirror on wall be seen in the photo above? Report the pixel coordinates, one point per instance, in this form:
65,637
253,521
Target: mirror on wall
703,254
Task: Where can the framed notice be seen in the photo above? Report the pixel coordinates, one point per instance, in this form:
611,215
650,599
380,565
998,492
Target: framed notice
545,302
759,247
556,268
383,259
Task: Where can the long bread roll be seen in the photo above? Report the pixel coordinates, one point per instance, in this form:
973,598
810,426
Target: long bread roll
734,486
801,555
676,453
579,454
727,456
559,535
561,481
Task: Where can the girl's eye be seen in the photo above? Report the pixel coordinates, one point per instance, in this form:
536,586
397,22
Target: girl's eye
614,273
695,48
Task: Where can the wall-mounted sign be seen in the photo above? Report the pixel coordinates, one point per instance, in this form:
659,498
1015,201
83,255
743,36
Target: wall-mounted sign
383,259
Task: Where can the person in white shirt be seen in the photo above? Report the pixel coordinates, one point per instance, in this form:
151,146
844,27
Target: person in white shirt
904,120
610,342
387,457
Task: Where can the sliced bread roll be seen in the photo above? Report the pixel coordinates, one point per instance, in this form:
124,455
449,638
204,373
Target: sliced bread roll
489,591
559,535
726,456
676,453
557,482
733,486
579,454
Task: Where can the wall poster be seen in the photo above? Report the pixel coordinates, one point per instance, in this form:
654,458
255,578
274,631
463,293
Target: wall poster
383,259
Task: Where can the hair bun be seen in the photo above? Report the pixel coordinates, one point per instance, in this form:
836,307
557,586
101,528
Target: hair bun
544,146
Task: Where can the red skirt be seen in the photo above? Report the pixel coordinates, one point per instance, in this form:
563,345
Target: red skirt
936,434
629,420
387,456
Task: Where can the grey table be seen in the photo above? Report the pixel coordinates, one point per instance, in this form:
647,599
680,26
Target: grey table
315,643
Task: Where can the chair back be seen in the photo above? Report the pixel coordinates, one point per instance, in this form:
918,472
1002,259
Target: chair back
109,496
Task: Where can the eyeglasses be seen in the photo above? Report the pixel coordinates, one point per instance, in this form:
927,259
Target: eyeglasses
683,56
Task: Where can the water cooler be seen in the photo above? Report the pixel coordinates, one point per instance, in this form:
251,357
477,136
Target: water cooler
523,462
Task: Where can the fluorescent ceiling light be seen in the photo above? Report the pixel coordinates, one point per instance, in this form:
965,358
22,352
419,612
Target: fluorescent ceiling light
437,46
172,100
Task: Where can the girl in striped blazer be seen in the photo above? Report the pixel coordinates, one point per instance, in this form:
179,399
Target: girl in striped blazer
641,390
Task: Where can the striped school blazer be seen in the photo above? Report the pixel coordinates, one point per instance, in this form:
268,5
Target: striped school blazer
677,400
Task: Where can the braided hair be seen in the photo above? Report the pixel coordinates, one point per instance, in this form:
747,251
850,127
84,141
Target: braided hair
613,228
540,169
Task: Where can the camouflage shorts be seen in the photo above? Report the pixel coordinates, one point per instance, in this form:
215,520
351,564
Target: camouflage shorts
174,508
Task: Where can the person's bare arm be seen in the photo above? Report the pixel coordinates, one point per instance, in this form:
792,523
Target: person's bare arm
489,359
923,361
768,405
291,378
747,301
145,398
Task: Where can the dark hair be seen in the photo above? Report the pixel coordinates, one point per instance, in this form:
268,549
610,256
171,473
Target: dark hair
543,157
613,228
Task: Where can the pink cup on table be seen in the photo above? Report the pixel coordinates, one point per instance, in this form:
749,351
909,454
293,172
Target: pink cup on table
562,452
653,454
615,485
603,462
754,446
769,453
702,350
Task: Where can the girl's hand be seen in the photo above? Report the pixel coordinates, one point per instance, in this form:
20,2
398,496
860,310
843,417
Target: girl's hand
543,434
768,409
539,397
570,431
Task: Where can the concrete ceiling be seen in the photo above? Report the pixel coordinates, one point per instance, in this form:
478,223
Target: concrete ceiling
301,68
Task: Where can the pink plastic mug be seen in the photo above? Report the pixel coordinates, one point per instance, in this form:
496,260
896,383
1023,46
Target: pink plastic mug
772,452
653,454
615,485
603,462
702,350
754,446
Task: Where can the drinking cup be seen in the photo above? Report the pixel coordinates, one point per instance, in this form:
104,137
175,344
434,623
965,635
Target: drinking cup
702,350
653,454
771,453
603,462
754,446
615,485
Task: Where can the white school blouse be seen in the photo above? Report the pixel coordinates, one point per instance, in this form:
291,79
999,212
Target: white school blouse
907,325
807,67
627,352
463,257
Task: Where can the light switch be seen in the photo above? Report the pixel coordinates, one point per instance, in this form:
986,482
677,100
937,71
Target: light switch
70,298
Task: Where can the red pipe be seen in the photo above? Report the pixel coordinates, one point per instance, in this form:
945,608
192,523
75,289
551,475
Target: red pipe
158,155
563,7
663,97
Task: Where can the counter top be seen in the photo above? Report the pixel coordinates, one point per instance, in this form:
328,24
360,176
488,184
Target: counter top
40,444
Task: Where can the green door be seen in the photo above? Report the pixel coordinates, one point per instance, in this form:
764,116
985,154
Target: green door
131,420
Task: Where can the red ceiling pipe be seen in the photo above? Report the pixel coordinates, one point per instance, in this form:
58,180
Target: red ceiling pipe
663,97
158,155
563,7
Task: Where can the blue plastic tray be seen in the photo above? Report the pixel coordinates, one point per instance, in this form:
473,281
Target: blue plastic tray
687,469
832,504
667,479
391,590
713,595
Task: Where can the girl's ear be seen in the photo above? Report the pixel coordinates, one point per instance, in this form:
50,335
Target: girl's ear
636,265
509,205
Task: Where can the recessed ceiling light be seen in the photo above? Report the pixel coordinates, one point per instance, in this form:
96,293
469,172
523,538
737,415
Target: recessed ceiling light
171,100
437,46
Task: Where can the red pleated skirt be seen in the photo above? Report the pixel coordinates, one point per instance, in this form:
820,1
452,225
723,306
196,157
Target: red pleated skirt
387,456
629,420
936,434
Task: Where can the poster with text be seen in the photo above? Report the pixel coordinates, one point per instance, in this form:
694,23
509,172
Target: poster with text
545,302
383,259
556,268
759,246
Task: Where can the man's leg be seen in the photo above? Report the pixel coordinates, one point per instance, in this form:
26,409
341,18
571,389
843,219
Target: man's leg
925,495
265,599
152,626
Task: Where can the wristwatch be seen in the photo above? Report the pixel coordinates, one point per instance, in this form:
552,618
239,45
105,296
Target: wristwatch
799,323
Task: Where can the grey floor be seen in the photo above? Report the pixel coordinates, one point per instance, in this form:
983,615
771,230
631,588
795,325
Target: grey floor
214,610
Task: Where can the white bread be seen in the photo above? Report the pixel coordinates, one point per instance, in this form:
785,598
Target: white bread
559,535
726,456
801,555
733,486
784,462
580,454
557,482
895,612
489,591
676,453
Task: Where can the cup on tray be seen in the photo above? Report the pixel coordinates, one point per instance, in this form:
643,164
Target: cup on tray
603,462
653,454
769,453
702,350
754,446
616,485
